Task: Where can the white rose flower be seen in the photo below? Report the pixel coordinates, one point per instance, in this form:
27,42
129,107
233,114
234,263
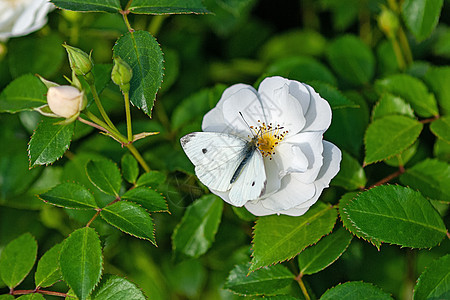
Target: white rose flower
65,100
21,17
290,119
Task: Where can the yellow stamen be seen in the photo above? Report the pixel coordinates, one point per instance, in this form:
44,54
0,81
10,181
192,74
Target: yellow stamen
268,137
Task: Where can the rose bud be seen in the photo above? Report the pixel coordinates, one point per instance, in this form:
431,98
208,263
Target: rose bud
65,101
121,74
80,61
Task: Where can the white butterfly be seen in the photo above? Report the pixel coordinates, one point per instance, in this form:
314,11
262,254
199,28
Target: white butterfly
227,162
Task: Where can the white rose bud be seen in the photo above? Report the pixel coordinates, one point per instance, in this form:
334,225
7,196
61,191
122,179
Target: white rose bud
65,101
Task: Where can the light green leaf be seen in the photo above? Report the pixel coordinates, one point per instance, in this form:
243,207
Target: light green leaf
48,271
278,238
319,256
351,59
264,281
334,97
105,175
81,261
441,128
110,6
116,288
34,296
70,195
402,158
152,178
49,142
196,232
395,215
130,218
421,16
353,290
390,136
142,52
431,177
411,90
147,198
351,175
159,7
24,93
130,168
434,282
438,79
391,105
7,297
17,259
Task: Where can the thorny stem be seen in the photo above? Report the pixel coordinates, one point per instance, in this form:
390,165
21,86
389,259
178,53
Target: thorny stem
389,177
128,116
93,218
100,107
37,290
425,121
302,286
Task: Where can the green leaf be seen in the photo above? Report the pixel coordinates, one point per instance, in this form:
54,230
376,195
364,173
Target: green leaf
434,282
279,238
438,79
391,105
196,232
105,175
402,158
319,256
334,97
159,7
81,261
34,296
70,195
351,59
442,150
7,297
24,93
17,259
390,136
441,128
393,214
264,281
431,177
130,168
130,218
49,142
142,52
152,178
147,198
45,59
48,271
354,290
111,6
421,16
351,175
116,288
411,90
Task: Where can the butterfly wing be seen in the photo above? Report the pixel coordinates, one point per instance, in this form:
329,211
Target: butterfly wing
215,156
251,183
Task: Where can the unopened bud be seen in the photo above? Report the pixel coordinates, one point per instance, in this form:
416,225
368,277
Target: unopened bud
80,61
388,22
65,100
121,74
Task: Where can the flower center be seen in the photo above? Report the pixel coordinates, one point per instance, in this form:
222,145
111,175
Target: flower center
267,137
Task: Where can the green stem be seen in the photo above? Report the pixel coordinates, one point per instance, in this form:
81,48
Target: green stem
405,46
138,157
302,286
114,132
156,23
398,53
128,116
125,19
100,107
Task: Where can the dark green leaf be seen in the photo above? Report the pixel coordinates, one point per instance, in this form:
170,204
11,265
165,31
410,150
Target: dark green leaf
332,95
34,296
152,178
351,59
17,259
130,218
142,52
48,271
116,288
353,290
434,282
130,168
441,128
431,177
81,261
196,232
351,175
421,16
70,195
105,175
411,90
402,158
147,198
390,136
261,282
391,105
319,256
89,5
442,150
7,297
49,142
24,93
278,238
393,214
158,7
438,79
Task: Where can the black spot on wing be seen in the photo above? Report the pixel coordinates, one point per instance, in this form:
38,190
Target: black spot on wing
204,150
253,183
263,191
185,139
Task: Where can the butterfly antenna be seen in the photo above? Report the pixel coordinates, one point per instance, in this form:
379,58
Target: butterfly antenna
249,127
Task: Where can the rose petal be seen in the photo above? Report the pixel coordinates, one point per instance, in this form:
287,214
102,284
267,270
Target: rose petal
290,158
318,115
272,175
